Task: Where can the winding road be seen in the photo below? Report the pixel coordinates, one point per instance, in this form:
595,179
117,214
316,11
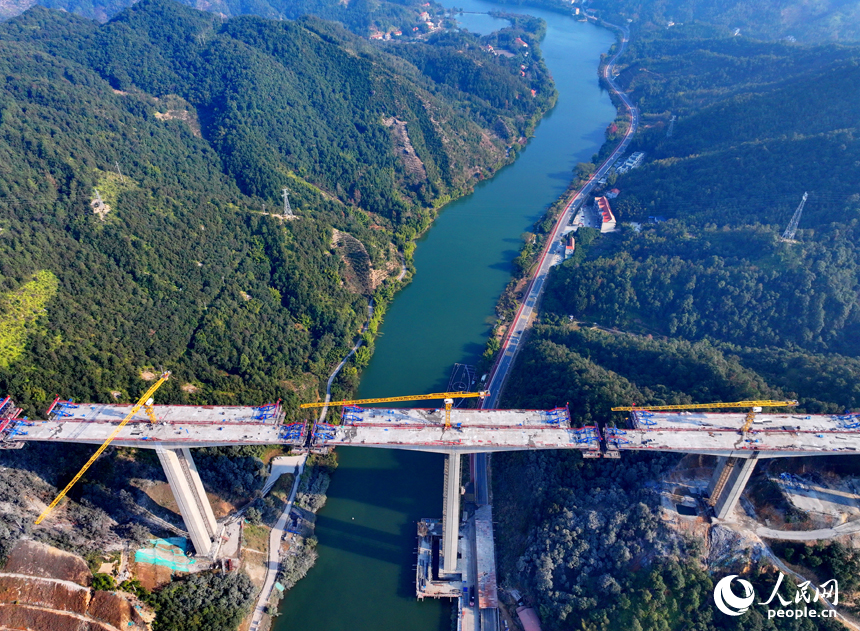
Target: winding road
274,562
340,366
277,533
513,337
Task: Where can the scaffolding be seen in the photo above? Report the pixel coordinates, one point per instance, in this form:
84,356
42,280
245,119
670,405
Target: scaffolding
615,437
294,433
324,432
9,422
639,419
352,414
588,435
557,416
848,421
267,412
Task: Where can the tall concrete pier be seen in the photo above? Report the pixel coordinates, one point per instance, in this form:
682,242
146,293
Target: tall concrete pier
730,477
451,513
188,491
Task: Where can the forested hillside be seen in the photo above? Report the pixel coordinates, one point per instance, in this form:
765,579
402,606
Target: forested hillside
360,16
790,20
188,129
762,19
699,301
142,164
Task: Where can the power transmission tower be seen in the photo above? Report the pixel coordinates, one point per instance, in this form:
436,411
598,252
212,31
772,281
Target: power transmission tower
121,176
671,126
788,235
288,212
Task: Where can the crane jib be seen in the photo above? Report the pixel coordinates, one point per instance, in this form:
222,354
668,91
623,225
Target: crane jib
417,397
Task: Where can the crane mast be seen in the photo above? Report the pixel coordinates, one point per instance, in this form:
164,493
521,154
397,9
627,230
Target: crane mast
145,400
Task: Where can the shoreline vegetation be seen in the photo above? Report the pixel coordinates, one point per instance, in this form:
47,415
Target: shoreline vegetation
149,209
694,298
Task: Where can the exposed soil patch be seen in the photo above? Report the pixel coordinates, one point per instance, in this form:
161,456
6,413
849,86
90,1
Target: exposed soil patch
220,507
152,576
405,150
45,588
38,559
161,494
358,275
176,108
255,566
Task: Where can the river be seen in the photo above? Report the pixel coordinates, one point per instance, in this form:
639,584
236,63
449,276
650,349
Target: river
364,578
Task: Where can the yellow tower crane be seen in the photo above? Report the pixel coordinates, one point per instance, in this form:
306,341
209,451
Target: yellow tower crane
145,400
447,397
754,406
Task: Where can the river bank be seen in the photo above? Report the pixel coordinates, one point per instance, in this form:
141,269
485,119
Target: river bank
366,531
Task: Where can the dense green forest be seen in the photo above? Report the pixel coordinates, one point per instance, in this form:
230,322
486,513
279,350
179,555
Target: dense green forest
790,20
359,16
189,128
763,19
142,164
204,601
705,303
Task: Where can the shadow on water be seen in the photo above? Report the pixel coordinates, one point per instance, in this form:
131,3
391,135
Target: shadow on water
472,350
597,136
564,176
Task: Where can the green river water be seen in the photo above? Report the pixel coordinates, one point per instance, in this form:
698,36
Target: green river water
364,578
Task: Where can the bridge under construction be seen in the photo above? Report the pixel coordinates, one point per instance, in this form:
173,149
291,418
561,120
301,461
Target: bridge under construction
738,439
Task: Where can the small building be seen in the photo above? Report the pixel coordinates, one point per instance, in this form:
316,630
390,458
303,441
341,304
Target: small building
376,36
528,618
613,193
569,247
424,16
519,42
607,219
632,162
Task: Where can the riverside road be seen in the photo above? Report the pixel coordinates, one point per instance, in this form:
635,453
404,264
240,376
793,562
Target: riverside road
514,335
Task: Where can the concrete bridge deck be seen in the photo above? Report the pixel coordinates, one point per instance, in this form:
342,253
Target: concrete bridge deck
771,435
177,426
471,431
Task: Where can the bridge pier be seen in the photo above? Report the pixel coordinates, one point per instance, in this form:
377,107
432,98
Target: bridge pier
184,480
451,513
727,484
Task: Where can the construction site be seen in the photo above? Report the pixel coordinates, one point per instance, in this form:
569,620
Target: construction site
455,554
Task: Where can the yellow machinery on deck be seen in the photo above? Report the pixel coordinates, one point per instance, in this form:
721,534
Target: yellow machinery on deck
145,400
447,397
